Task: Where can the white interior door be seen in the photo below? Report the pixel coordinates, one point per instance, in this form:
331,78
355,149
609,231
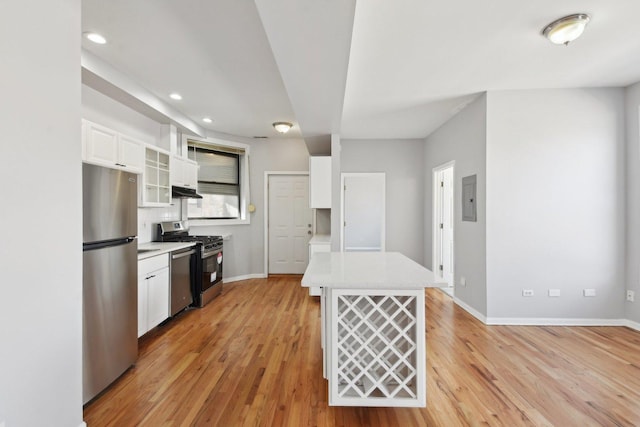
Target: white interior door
363,212
289,224
444,224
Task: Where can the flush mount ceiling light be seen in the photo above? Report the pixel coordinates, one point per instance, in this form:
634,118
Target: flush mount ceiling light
567,29
95,37
207,120
175,96
282,127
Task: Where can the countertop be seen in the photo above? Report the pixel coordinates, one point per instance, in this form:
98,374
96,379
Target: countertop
368,270
159,248
320,239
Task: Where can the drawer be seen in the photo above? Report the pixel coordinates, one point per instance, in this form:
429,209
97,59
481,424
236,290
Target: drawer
148,265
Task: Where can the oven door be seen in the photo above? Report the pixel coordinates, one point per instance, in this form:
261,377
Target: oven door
211,269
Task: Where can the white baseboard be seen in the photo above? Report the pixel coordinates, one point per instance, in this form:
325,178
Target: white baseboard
545,321
83,424
472,311
535,321
631,324
244,277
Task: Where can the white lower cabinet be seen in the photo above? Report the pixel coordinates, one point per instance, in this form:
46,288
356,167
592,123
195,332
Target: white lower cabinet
317,244
153,292
374,349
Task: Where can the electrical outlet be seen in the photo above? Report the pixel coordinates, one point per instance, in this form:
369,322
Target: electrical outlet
589,292
554,292
463,281
631,296
527,292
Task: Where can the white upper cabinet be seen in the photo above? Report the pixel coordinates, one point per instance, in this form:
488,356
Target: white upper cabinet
100,143
320,182
106,147
156,182
190,174
177,164
131,152
184,172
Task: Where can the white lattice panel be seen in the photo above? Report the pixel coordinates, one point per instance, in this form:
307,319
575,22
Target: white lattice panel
377,340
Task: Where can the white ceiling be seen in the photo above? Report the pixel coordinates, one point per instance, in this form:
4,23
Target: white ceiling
375,69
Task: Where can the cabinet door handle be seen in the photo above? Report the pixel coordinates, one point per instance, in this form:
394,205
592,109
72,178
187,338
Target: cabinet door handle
120,164
150,277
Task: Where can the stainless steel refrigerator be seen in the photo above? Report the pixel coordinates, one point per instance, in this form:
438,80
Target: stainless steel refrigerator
110,273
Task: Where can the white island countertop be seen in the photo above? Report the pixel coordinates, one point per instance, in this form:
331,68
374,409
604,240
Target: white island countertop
368,270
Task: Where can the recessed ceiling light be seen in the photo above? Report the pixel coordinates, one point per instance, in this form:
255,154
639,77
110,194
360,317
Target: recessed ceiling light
95,37
282,127
175,96
567,29
207,120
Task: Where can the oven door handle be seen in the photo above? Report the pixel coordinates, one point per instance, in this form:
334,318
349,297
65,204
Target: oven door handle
210,254
183,254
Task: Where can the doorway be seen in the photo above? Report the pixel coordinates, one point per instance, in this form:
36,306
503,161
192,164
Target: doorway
443,224
363,212
289,225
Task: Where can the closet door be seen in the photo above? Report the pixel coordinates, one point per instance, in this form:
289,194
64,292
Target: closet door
363,212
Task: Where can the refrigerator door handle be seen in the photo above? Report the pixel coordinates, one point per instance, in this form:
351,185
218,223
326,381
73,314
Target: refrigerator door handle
106,244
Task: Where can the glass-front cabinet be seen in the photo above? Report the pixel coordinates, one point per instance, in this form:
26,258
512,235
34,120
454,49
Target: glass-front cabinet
156,183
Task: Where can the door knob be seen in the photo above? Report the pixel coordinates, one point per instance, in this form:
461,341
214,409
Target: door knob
309,232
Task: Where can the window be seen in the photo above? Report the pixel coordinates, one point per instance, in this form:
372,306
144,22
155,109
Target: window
222,179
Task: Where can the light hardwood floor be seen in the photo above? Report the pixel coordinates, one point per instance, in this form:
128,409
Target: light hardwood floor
252,357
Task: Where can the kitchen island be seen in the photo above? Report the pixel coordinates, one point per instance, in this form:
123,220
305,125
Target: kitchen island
373,326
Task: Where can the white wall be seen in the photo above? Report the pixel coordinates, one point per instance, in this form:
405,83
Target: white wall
632,310
244,252
41,250
463,140
401,160
555,203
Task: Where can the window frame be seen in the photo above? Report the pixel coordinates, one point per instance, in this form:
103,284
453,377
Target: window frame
243,180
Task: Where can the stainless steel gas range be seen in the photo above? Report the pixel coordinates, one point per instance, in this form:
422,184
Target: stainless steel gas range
207,277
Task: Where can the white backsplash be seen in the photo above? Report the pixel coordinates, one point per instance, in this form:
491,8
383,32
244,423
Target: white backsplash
148,218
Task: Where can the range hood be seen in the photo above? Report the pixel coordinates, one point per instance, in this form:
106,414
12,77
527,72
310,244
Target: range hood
184,193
